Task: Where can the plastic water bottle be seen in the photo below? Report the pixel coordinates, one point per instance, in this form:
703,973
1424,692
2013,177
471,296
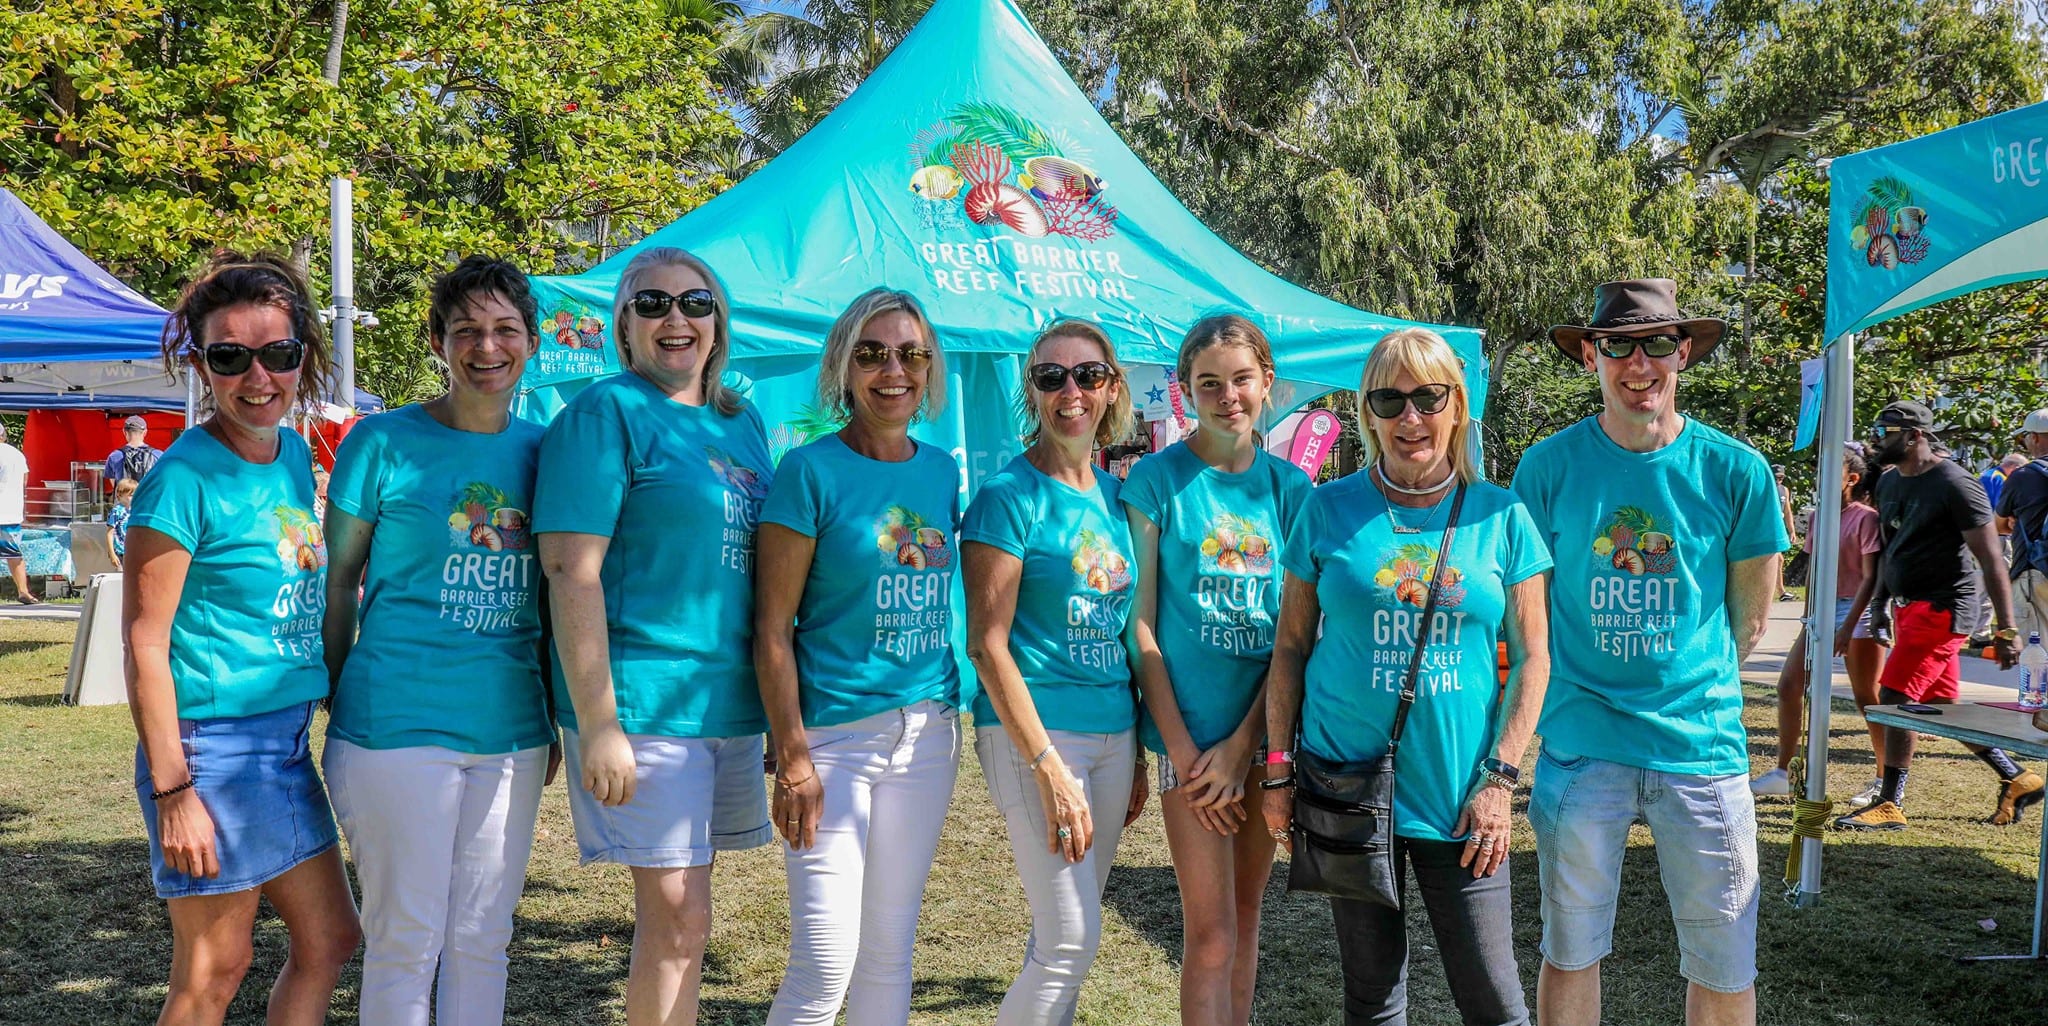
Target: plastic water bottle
2033,673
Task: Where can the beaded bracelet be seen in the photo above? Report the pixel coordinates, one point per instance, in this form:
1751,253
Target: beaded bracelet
157,796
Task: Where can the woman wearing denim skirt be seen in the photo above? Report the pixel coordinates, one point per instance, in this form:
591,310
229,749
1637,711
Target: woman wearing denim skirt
439,739
226,580
1361,562
853,645
649,489
1049,574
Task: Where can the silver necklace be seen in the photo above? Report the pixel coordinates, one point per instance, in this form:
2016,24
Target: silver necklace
1380,468
1394,519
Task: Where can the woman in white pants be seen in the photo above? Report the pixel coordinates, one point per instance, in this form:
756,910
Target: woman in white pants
439,740
853,650
1048,562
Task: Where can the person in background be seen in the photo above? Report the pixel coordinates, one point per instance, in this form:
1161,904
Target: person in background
117,520
135,456
439,739
2022,510
1857,550
1935,517
1361,562
321,479
1791,528
1994,475
853,645
1206,517
1667,536
1049,571
1994,480
225,588
13,505
649,489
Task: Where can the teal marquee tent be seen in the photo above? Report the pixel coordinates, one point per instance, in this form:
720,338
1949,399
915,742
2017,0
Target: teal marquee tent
970,171
1909,225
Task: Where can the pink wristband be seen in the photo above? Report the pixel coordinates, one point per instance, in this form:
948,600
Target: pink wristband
1276,758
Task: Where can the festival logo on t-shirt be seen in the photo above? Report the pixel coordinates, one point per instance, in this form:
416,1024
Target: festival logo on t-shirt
488,577
1404,576
1634,599
745,487
913,594
302,597
1234,583
1097,606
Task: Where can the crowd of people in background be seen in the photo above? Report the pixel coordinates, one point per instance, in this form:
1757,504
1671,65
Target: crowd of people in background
484,601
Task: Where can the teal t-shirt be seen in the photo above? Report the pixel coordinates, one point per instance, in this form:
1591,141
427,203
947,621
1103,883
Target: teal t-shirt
246,636
447,650
874,630
1073,600
1372,582
1219,579
1643,663
678,491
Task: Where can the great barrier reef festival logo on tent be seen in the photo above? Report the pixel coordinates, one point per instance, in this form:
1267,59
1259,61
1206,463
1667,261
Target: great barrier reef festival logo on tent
1888,230
1003,180
572,339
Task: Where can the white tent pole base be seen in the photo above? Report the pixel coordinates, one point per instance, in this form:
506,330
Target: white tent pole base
1823,542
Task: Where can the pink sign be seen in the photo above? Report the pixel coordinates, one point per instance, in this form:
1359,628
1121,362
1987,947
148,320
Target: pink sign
1312,441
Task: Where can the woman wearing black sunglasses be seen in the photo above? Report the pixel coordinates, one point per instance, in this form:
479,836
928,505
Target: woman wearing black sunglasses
854,650
1364,588
649,488
226,571
1049,572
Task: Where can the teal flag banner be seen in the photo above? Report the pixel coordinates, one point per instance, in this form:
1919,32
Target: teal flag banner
970,171
1928,219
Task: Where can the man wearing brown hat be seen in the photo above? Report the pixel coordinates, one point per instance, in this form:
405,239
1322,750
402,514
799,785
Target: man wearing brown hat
1933,516
1666,535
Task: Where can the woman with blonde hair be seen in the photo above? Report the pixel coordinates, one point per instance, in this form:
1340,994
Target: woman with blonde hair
1049,570
1412,569
1207,515
853,645
649,488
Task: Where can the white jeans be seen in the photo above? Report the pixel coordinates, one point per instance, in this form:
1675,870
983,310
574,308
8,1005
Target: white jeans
440,840
1065,897
854,894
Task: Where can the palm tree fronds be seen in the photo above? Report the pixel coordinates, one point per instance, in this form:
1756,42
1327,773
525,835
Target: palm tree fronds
1004,129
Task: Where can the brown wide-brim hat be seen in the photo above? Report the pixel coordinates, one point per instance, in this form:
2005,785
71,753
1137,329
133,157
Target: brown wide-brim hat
1634,305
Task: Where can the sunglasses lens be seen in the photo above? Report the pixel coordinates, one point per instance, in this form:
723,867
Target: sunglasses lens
228,359
1385,403
282,355
1430,398
870,355
1091,375
650,303
1048,377
696,303
914,358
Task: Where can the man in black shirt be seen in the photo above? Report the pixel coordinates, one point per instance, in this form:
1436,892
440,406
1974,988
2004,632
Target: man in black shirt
2023,514
1933,516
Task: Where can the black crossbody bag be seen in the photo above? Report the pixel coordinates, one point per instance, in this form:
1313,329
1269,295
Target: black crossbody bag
1344,811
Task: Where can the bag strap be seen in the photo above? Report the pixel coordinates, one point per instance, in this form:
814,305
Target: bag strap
1436,580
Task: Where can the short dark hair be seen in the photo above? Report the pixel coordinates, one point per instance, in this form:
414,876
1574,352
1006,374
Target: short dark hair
233,279
475,276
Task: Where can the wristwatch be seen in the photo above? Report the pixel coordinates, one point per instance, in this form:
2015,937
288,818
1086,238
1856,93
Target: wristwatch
2006,634
1506,774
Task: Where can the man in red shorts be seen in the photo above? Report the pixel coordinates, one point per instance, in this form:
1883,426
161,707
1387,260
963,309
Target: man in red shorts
1933,516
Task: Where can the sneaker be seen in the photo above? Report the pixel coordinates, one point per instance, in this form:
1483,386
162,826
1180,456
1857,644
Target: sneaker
1775,783
1868,796
1881,816
2015,795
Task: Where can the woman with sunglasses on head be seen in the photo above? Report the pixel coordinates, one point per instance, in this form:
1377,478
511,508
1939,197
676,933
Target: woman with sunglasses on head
1049,572
1207,515
226,572
1364,589
439,740
649,488
853,648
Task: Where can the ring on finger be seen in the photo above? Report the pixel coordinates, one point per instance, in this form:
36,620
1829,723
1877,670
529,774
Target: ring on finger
1065,833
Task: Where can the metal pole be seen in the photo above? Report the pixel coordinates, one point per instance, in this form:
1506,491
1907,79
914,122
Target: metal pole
341,241
1824,539
191,396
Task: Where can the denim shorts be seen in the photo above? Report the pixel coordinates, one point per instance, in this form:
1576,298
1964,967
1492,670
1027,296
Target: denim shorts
255,776
10,541
1842,616
692,796
1705,833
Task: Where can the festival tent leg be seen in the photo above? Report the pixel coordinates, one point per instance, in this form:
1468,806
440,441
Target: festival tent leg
1811,809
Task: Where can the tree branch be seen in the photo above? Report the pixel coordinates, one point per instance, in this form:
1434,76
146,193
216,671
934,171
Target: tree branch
1221,117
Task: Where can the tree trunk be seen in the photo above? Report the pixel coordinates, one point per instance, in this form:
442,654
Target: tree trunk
337,30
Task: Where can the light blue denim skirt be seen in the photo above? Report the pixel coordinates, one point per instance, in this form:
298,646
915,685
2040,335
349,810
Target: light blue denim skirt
256,778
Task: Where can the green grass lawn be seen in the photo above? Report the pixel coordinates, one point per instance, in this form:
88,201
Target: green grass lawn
83,939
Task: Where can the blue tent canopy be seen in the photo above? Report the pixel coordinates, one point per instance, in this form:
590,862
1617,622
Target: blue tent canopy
71,335
970,171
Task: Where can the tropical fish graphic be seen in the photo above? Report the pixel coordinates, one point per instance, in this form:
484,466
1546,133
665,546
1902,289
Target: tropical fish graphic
1889,229
936,182
1631,543
1237,545
1100,567
300,543
485,518
742,479
906,539
972,154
